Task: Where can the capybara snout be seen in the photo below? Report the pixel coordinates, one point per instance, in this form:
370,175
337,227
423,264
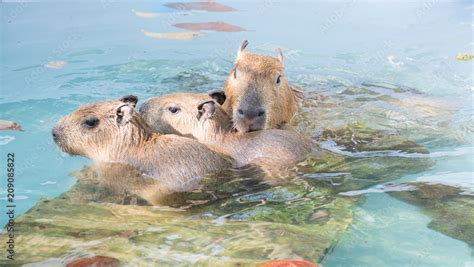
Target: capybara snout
56,133
251,114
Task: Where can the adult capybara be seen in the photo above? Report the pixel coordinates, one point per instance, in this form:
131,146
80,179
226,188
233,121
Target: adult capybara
199,116
113,132
257,91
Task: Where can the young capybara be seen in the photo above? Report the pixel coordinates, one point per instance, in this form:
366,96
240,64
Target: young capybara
113,132
199,116
257,91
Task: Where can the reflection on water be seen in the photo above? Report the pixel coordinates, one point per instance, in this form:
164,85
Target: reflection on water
389,107
122,184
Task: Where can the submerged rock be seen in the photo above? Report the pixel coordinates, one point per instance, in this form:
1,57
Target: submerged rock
380,116
339,173
450,211
367,142
356,137
244,228
187,79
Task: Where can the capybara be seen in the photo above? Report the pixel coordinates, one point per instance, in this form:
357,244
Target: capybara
257,91
113,132
199,116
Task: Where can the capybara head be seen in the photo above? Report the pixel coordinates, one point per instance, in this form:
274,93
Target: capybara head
258,94
100,129
192,115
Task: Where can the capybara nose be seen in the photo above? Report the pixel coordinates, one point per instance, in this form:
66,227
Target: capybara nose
55,134
251,119
251,114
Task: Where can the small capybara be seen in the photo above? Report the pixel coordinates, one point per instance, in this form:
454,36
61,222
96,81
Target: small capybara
258,94
199,116
113,132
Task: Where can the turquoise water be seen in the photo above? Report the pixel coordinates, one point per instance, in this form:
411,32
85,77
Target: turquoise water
384,224
327,46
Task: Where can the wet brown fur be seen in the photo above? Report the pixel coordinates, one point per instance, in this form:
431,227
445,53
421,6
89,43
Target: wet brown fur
172,162
272,148
258,72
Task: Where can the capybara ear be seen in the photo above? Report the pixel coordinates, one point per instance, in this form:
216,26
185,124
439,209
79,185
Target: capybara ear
123,114
206,110
129,99
280,56
242,47
219,96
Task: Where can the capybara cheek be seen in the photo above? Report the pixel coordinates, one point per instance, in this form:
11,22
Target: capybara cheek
64,141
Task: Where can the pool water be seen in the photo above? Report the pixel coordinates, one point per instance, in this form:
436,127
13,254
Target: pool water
373,69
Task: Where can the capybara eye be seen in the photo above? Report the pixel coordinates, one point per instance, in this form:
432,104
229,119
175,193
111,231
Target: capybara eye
235,74
90,122
173,110
278,79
